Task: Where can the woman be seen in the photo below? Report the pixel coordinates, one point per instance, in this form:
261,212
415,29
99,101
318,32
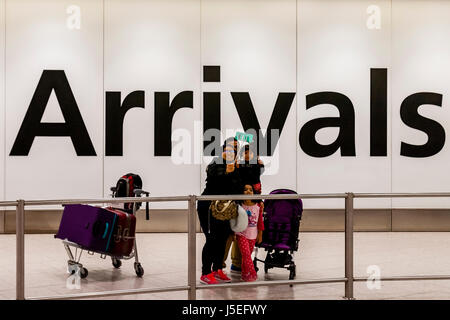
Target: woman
222,179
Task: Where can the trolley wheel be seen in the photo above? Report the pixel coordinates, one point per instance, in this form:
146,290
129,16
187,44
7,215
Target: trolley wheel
139,270
116,263
83,273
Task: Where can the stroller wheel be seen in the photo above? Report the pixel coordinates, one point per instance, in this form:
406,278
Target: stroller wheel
292,272
139,270
116,263
83,273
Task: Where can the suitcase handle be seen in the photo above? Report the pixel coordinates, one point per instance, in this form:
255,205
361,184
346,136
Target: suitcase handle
106,230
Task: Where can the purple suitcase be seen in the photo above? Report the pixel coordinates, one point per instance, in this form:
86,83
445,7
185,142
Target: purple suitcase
88,226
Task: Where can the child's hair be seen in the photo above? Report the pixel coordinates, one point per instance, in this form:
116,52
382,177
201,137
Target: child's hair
227,146
243,189
248,147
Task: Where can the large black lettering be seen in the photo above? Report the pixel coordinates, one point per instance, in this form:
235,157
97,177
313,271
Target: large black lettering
410,116
164,112
250,121
211,119
73,126
345,122
115,114
211,111
378,112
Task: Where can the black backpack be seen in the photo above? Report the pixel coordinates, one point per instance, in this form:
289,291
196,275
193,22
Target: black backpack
125,188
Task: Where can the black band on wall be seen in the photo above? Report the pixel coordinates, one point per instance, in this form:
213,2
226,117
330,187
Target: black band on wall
378,112
410,116
115,114
345,122
164,112
73,126
249,120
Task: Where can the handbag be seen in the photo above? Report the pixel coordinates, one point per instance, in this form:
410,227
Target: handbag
223,209
240,223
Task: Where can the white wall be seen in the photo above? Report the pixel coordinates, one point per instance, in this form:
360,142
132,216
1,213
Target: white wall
336,51
255,45
37,38
263,48
153,46
421,63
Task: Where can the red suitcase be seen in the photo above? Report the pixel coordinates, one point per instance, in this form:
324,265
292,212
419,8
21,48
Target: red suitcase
124,233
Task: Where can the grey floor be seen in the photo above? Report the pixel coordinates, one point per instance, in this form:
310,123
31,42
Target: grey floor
164,258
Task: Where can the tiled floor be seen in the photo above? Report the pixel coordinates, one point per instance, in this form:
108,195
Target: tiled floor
164,258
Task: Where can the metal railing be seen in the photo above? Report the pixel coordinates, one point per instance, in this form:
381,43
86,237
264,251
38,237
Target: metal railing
192,285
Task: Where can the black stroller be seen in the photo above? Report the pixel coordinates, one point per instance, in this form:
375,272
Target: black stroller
280,236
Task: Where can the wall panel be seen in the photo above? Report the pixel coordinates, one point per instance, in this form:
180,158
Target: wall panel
336,51
154,46
43,35
254,43
421,63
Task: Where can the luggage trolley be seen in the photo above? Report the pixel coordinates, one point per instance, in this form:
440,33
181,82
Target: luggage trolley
74,264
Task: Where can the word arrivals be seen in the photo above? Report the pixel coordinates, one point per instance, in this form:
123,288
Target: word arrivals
165,108
228,310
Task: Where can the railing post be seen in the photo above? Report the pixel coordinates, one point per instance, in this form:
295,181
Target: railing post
349,246
20,250
192,244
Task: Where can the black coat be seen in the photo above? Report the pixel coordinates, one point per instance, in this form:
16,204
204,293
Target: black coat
250,173
219,182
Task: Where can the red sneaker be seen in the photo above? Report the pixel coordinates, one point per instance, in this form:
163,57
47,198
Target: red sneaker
221,276
208,279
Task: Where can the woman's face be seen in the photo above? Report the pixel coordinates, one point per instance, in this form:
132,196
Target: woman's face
233,144
228,154
248,189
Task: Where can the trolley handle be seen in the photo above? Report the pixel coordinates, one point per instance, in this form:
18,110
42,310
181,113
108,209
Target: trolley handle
138,193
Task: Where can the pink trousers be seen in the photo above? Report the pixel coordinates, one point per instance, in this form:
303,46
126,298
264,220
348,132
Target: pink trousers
248,269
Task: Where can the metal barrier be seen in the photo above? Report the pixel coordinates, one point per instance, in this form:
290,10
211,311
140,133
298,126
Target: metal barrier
192,285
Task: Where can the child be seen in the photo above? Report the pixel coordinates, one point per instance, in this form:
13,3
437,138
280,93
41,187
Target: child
251,167
250,236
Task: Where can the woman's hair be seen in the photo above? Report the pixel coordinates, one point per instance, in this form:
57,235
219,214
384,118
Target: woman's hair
228,146
229,142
